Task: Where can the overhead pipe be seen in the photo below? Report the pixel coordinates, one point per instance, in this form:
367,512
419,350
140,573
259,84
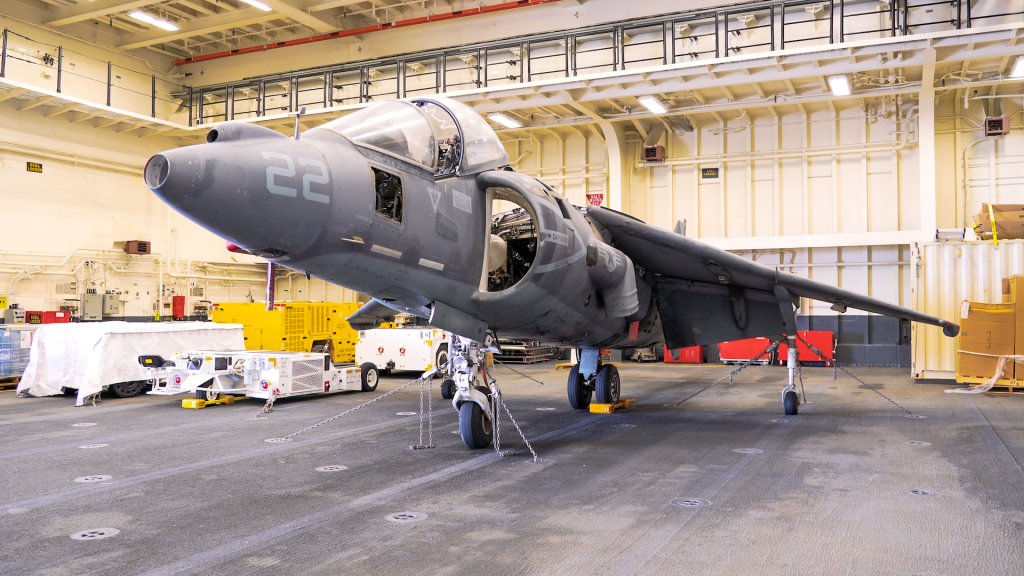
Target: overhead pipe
367,30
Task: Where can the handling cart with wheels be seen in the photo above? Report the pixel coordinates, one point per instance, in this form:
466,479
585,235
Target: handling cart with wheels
255,374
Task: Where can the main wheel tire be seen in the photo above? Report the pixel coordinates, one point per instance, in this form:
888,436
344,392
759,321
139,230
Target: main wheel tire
608,384
368,376
441,360
448,389
129,389
474,428
791,403
579,392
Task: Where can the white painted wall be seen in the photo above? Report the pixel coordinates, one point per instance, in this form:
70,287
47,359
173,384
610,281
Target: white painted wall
64,226
789,173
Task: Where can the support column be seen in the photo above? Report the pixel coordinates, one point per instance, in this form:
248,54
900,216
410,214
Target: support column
926,148
614,141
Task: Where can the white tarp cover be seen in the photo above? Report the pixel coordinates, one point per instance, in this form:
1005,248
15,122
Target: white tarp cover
89,356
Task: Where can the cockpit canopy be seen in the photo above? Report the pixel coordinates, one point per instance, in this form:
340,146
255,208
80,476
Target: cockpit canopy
439,134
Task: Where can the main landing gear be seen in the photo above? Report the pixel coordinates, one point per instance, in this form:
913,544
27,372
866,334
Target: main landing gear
472,391
589,378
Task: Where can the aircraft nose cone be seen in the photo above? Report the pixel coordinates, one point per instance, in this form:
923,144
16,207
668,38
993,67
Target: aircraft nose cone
245,193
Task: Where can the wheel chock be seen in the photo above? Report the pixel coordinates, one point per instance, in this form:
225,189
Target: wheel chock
596,408
197,403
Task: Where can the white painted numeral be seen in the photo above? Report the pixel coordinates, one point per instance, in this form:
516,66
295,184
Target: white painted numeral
315,172
310,178
274,171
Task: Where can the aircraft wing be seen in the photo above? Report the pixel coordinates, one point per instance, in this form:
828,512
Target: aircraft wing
706,295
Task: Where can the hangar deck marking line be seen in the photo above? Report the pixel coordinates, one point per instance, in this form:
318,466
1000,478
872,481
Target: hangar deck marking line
61,413
261,452
102,439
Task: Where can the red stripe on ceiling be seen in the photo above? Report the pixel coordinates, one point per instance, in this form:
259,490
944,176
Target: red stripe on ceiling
367,30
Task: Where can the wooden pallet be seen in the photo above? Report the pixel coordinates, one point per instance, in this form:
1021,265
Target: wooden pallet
9,383
1003,385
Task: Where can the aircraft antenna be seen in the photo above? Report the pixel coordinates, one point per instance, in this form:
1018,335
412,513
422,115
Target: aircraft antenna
299,114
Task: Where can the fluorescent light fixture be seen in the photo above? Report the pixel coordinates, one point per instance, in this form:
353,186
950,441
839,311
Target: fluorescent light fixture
1018,68
505,120
153,20
839,85
653,104
257,4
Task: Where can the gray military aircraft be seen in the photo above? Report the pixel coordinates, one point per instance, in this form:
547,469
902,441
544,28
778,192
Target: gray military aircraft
413,202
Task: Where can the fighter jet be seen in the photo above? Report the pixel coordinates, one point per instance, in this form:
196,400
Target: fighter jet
414,203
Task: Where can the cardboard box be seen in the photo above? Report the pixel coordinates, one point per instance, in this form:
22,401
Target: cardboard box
1009,221
988,329
1015,294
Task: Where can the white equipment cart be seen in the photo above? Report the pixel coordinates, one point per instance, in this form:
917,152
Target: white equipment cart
397,349
257,374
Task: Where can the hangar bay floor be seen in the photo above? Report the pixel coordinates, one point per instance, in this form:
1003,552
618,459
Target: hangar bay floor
719,484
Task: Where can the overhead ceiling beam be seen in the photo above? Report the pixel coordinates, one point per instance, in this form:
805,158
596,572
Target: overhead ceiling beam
12,93
98,9
331,4
199,26
286,8
38,102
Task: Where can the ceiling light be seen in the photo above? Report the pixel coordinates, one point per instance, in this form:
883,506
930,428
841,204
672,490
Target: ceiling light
150,19
505,120
653,104
257,4
1018,68
839,85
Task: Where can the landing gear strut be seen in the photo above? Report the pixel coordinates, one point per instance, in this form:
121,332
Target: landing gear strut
470,389
589,377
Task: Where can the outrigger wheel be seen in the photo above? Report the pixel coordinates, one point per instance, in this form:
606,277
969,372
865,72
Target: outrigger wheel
476,430
579,391
790,402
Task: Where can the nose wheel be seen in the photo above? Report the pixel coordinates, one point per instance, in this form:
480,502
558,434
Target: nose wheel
475,427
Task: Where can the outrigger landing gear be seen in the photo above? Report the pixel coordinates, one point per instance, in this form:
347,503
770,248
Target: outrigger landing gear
473,401
788,306
589,377
790,398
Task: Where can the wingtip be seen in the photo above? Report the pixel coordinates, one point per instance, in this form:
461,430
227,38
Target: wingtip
950,329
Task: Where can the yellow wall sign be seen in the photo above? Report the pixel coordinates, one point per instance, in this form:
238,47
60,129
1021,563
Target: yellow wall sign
36,167
3,302
707,173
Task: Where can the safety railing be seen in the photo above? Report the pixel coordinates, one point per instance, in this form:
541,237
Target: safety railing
737,29
67,71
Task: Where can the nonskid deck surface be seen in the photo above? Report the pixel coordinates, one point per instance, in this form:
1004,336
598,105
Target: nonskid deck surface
719,484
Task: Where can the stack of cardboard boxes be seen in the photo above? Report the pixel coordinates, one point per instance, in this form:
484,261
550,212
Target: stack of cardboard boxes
995,330
1008,220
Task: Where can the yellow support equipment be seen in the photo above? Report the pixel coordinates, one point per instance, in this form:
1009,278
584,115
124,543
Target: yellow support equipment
197,403
294,326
